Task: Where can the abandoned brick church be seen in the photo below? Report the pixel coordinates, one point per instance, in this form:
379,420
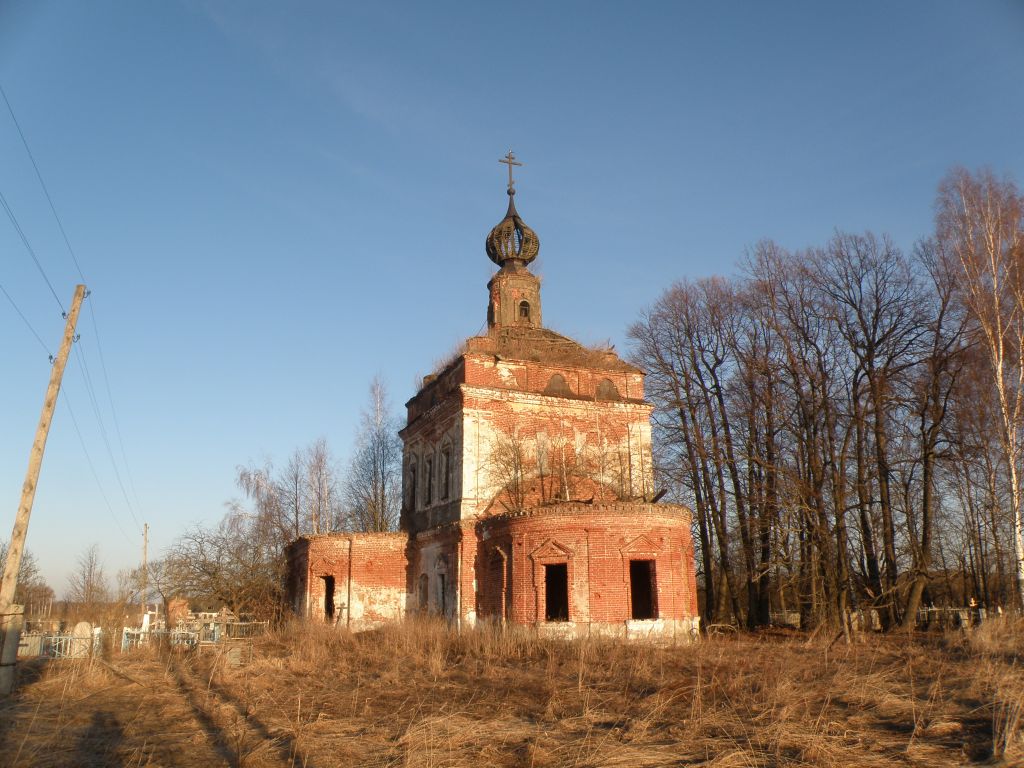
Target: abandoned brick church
527,489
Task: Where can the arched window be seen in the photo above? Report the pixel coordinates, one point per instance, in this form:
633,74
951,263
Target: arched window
606,390
524,311
557,386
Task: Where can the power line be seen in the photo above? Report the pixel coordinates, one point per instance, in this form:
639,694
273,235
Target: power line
31,251
92,311
42,183
92,467
27,323
91,391
113,410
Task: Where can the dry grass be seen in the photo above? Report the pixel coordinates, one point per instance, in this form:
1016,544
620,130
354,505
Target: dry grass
416,695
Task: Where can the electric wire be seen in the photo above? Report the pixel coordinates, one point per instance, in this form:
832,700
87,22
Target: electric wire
42,183
31,251
25,320
84,366
92,311
91,391
92,467
110,399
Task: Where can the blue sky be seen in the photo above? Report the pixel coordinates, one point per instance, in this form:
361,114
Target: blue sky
273,202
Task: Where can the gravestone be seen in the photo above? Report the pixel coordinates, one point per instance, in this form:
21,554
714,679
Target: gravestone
81,640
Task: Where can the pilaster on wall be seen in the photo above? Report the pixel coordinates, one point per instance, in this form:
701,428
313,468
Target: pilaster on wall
597,544
468,583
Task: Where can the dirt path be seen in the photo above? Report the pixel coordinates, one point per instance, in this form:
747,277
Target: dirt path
86,714
422,696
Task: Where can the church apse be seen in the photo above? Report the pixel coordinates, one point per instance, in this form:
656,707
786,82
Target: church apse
528,481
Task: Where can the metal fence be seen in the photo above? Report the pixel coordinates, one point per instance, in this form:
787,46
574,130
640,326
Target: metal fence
57,645
65,645
140,638
192,635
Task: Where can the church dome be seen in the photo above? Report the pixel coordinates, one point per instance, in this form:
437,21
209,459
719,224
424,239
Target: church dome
511,239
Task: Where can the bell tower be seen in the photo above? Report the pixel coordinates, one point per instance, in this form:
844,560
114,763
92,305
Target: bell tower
514,290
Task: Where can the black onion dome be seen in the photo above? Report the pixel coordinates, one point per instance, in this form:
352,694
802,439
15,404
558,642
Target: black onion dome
511,239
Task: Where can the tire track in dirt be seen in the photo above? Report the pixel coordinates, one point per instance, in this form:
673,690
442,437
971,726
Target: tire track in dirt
238,736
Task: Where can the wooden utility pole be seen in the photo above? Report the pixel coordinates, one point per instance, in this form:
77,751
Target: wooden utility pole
145,569
10,619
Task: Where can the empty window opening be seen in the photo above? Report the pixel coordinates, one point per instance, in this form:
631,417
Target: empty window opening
428,481
556,592
446,473
442,588
642,592
606,390
557,386
524,310
328,597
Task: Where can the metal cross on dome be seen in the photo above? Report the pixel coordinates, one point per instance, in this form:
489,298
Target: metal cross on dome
510,160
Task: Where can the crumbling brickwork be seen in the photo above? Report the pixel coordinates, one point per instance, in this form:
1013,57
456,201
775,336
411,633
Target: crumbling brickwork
600,545
355,580
528,488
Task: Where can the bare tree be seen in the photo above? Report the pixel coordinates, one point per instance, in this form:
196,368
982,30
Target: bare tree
302,498
980,223
128,586
264,492
323,501
32,588
931,393
88,585
510,466
160,579
239,564
291,494
875,300
817,412
373,484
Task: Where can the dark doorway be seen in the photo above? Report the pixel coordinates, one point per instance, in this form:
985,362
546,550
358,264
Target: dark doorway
642,593
556,592
442,597
328,597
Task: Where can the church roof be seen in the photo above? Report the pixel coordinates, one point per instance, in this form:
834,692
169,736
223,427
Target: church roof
543,345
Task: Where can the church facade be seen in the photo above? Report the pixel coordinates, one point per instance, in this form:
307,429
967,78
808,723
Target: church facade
528,489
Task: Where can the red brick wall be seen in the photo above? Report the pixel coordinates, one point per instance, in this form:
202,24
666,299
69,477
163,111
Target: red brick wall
480,553
369,571
508,397
530,376
605,447
596,542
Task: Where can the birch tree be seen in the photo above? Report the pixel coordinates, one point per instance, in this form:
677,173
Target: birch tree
980,223
373,484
